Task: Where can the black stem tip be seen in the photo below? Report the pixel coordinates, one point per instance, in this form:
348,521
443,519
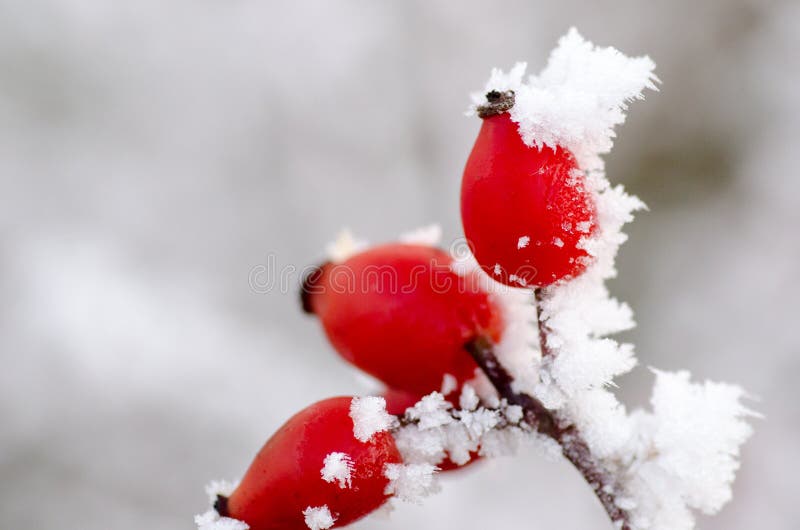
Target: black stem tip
496,103
310,287
221,505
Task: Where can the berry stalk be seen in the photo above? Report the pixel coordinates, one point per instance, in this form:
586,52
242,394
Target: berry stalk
573,446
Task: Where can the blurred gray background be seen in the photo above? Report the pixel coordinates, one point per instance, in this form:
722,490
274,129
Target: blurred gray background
152,153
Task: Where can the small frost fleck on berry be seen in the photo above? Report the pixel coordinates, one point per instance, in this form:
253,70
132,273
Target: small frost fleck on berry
558,242
369,417
345,246
337,467
468,399
523,242
498,270
449,384
318,518
519,281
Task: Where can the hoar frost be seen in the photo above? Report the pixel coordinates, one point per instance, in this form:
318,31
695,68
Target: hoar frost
211,520
410,482
684,453
679,457
369,417
318,518
337,468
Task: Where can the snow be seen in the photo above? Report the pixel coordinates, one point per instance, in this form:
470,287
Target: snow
318,518
431,411
688,450
449,384
347,245
369,417
577,99
518,346
666,463
211,520
430,235
682,455
410,482
468,400
344,246
437,430
337,468
220,487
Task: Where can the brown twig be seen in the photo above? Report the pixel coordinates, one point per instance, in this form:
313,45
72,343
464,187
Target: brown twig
545,421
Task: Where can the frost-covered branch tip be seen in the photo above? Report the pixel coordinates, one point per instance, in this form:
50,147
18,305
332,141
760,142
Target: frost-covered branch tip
530,298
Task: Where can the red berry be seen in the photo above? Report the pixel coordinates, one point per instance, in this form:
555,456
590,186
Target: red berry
401,314
524,209
398,401
286,476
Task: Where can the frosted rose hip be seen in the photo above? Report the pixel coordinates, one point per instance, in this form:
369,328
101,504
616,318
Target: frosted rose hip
286,477
524,209
401,314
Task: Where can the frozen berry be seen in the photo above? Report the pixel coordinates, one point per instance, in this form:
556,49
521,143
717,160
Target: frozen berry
400,313
525,210
311,464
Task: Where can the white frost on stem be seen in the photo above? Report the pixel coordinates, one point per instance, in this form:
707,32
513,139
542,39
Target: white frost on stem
410,482
683,455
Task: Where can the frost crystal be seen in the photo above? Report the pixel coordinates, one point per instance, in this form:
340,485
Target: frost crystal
427,235
468,399
369,417
657,466
220,487
318,518
688,450
577,99
212,521
344,246
449,384
410,482
337,467
683,455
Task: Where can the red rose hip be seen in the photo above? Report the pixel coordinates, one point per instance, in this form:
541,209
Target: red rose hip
525,210
288,476
399,313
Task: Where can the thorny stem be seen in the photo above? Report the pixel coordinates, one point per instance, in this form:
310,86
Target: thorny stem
545,421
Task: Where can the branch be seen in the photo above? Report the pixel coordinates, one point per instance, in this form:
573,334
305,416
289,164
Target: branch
573,446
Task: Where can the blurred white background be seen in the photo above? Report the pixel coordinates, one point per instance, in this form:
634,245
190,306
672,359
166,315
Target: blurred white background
153,152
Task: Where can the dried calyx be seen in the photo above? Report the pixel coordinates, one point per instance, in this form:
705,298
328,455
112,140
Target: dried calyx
496,103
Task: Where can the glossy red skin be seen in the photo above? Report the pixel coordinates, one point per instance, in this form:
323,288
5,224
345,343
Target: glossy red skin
398,401
285,477
510,190
408,323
